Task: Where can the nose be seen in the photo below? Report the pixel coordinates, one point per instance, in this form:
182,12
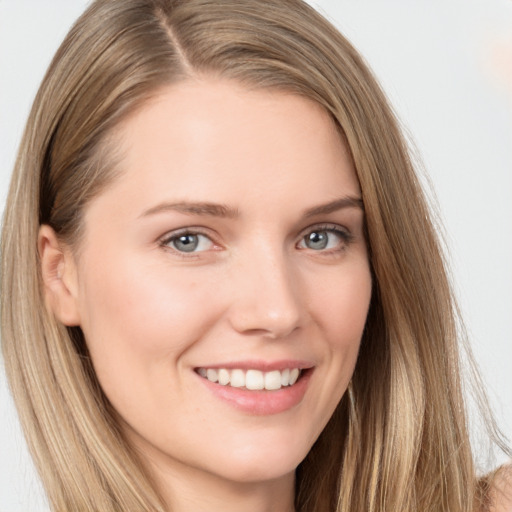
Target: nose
265,299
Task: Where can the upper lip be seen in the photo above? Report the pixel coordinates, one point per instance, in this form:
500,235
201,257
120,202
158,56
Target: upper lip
264,366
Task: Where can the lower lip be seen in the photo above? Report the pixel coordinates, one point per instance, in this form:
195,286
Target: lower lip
262,402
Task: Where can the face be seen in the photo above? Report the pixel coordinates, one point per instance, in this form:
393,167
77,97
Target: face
223,283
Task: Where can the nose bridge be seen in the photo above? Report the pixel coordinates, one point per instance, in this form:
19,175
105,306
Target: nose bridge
266,299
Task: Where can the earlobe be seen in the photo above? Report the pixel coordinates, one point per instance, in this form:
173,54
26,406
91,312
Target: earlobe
58,270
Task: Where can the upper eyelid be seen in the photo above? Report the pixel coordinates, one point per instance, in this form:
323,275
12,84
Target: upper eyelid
342,232
165,242
175,233
325,226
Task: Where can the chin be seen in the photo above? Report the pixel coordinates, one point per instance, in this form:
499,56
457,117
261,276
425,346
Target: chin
263,462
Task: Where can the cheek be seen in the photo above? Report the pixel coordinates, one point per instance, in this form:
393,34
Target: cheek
342,306
342,313
138,319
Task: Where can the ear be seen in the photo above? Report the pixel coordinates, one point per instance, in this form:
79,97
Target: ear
58,269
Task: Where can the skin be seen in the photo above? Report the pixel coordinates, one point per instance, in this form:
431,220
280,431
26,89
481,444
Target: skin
501,493
255,289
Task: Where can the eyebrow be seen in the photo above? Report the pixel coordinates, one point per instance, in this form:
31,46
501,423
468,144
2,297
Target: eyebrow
224,211
194,208
334,206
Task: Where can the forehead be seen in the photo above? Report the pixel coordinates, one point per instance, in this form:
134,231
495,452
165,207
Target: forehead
217,139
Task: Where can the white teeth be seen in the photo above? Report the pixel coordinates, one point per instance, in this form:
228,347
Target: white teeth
294,375
254,379
273,380
238,378
251,379
224,376
212,375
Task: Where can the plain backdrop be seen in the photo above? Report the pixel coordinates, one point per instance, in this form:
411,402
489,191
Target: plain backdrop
444,65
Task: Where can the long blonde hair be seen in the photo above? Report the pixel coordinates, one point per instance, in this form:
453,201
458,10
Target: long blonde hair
398,440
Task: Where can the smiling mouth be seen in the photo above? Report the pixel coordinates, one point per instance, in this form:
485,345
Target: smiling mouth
253,380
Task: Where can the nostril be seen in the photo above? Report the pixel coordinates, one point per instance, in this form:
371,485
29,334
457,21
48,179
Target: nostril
265,325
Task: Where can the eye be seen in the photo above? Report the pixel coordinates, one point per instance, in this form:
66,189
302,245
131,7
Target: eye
325,239
188,242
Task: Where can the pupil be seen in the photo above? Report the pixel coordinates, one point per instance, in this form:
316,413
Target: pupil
317,240
186,243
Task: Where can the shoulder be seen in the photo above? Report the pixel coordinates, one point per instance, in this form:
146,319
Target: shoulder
500,490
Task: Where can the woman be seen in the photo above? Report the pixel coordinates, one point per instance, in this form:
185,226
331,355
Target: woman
221,285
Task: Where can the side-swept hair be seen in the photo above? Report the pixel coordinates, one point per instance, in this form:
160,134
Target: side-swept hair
398,440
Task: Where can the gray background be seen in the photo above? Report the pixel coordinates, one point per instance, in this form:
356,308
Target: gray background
447,68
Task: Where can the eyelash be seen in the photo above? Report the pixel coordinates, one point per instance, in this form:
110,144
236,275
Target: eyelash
168,239
345,236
